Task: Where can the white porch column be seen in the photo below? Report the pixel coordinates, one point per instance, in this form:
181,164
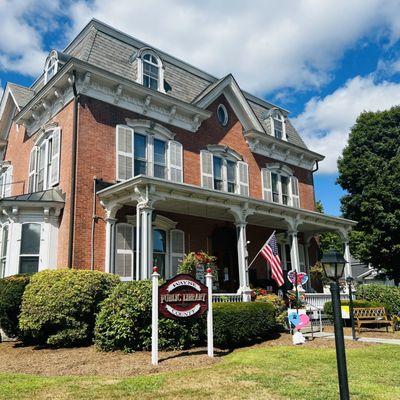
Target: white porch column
294,250
138,253
110,245
347,257
244,285
146,247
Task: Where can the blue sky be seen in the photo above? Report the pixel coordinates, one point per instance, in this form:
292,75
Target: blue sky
324,61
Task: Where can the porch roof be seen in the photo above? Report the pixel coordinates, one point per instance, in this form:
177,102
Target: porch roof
189,199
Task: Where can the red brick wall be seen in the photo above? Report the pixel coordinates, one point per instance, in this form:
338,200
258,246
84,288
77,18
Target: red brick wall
96,157
18,152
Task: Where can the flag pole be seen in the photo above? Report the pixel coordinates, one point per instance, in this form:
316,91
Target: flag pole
248,267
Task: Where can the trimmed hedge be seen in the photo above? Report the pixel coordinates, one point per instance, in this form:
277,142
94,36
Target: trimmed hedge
386,296
124,322
239,324
356,303
59,307
11,291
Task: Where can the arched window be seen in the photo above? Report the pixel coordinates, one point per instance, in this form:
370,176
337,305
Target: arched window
44,164
223,169
51,66
278,124
280,185
150,70
30,248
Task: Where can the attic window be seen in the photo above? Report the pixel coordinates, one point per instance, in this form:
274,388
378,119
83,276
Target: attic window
222,115
278,126
150,70
51,66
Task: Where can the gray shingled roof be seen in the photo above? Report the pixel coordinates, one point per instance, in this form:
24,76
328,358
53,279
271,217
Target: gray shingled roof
46,196
114,51
21,94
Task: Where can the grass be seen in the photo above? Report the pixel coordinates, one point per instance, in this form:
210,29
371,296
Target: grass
270,372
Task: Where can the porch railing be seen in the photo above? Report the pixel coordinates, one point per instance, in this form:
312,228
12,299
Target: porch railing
319,299
227,298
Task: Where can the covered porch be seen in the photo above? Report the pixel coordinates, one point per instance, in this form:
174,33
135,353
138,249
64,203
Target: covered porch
151,221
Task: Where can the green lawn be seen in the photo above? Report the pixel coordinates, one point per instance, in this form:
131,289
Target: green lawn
267,372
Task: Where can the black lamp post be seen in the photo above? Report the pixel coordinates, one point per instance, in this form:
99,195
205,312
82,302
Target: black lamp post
333,264
350,280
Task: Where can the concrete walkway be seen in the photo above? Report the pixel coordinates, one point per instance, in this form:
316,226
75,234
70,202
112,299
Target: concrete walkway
326,335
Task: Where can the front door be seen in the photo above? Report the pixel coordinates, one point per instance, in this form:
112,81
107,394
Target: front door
224,247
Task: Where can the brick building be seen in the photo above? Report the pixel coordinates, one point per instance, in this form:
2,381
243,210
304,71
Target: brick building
121,156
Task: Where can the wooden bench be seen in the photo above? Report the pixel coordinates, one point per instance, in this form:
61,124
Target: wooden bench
372,315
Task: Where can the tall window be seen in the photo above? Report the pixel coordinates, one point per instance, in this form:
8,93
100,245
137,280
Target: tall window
3,250
51,66
278,127
168,251
280,187
150,71
141,154
30,248
221,172
160,250
6,181
44,165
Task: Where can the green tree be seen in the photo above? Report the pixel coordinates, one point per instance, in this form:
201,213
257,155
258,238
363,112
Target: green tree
369,170
328,240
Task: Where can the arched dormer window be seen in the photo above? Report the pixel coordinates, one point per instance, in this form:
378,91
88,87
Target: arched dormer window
51,66
278,124
150,70
222,168
280,185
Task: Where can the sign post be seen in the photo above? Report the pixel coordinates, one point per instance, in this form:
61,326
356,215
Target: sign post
210,333
154,316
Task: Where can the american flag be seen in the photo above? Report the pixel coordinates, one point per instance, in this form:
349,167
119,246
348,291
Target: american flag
270,253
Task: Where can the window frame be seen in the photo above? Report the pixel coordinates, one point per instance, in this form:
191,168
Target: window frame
51,62
140,68
29,255
6,181
226,115
51,160
173,166
280,171
276,115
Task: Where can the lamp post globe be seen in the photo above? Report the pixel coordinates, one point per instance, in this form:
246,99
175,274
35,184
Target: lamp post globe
333,264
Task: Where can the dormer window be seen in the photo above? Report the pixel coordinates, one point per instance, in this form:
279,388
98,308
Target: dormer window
150,70
51,66
278,125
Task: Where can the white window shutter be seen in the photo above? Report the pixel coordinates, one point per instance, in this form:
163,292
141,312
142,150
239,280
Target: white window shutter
7,181
243,178
175,162
207,169
266,184
124,250
177,249
32,170
55,158
295,192
125,151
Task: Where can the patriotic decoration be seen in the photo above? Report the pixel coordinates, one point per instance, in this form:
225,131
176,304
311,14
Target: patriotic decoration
270,253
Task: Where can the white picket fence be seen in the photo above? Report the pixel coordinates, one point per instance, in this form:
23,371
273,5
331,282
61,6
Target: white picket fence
227,298
319,299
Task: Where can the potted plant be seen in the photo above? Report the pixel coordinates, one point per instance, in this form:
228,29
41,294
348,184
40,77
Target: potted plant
196,264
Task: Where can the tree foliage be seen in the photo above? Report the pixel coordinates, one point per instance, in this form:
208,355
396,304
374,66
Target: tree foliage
369,170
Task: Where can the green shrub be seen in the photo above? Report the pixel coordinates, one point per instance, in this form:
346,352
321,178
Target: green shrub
279,307
238,324
386,296
59,307
11,291
124,322
356,303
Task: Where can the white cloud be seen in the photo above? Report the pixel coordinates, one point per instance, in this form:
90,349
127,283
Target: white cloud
22,26
267,45
326,122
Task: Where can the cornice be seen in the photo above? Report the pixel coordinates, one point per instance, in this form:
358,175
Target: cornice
97,83
279,150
